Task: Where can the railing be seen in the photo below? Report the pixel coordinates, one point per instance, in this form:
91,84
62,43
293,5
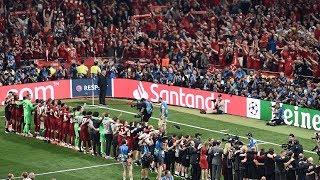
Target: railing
89,61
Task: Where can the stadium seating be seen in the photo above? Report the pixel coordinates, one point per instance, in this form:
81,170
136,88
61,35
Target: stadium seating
200,39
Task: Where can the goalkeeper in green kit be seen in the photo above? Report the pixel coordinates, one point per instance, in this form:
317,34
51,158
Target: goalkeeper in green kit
28,108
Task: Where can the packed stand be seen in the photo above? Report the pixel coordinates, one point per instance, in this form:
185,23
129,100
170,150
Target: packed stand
150,147
171,42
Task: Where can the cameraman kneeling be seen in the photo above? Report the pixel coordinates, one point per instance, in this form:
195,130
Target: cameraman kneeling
217,106
278,116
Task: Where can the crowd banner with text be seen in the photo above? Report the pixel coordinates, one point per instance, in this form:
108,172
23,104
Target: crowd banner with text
178,96
88,87
41,90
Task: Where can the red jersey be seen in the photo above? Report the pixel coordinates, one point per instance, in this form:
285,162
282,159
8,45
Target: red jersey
63,52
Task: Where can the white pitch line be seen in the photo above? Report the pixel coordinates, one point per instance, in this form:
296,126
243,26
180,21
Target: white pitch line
69,170
196,127
262,143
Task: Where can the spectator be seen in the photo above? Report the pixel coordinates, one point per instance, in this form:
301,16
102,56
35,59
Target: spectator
82,70
95,69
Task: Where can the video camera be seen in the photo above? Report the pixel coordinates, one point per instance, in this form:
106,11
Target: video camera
138,104
285,146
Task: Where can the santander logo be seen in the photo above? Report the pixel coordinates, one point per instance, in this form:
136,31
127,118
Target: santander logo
174,95
140,92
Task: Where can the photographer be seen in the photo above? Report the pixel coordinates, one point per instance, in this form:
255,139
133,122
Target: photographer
278,116
146,110
217,106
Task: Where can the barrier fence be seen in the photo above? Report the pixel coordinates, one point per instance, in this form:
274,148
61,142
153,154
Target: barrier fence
178,96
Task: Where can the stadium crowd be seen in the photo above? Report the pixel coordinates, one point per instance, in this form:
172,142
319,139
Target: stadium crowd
138,142
172,42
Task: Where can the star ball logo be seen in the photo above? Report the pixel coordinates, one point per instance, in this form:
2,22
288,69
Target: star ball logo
253,108
79,88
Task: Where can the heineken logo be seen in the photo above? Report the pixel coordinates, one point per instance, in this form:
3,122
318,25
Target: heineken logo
300,117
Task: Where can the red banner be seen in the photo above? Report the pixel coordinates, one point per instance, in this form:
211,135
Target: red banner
41,90
185,97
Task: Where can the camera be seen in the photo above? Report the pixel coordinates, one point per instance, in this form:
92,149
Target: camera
285,146
138,104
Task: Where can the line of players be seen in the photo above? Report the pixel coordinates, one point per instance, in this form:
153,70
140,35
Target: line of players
53,120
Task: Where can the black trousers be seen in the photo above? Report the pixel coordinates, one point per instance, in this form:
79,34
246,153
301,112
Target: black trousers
195,172
280,176
115,146
109,139
102,96
270,176
96,145
238,175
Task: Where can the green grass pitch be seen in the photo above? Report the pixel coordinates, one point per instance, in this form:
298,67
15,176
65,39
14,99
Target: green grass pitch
19,154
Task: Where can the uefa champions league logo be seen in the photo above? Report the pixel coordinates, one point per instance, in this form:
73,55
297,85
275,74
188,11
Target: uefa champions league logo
253,108
78,88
